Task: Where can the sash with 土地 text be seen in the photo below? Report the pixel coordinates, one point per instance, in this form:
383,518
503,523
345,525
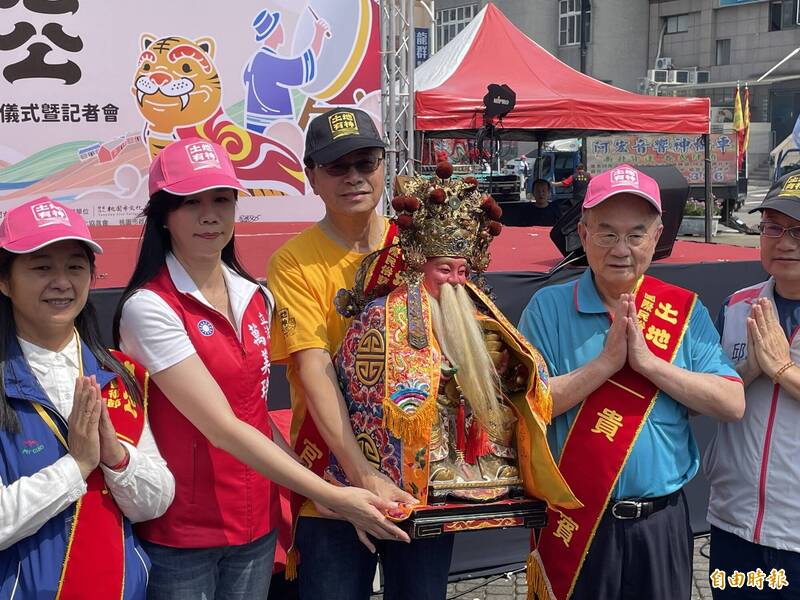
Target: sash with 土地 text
601,439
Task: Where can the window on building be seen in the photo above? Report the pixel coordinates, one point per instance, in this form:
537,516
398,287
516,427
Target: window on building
723,52
450,22
677,23
569,22
775,9
783,14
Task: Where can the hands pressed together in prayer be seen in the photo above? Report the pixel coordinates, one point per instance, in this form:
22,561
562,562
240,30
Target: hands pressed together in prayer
92,438
625,341
767,346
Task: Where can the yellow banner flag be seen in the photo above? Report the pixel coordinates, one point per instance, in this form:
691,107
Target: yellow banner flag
738,117
739,127
746,117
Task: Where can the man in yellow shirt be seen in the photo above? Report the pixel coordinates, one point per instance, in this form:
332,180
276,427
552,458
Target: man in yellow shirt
344,164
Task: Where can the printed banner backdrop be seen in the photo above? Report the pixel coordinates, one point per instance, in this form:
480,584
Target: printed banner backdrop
685,152
90,92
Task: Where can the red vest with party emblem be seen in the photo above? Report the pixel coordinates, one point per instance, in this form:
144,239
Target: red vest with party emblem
219,501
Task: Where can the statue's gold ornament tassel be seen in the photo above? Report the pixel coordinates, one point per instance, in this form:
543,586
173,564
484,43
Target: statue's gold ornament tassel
409,426
538,585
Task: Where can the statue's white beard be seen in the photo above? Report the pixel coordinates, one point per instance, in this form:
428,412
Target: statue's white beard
461,340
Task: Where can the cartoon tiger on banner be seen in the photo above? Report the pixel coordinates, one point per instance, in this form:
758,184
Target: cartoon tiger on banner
178,91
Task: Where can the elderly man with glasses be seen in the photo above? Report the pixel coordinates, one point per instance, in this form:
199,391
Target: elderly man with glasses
754,465
630,357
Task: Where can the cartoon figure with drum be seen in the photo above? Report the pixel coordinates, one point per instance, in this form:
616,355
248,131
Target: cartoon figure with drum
270,77
345,73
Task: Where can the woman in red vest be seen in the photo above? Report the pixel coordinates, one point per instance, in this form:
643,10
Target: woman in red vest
200,324
78,462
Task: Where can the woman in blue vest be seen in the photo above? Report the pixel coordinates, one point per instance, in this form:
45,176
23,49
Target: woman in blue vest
78,463
200,325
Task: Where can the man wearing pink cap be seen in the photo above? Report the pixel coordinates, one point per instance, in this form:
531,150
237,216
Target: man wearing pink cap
630,356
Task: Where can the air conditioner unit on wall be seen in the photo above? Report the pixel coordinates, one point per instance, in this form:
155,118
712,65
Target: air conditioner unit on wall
702,77
658,75
665,62
681,76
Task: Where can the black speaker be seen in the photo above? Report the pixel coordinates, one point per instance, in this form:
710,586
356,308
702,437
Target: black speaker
674,193
526,214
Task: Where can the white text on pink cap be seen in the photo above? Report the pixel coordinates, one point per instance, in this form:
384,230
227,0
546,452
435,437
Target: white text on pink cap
624,176
47,213
202,156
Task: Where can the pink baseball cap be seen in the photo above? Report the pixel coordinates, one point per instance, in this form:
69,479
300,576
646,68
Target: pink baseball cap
191,166
41,222
622,179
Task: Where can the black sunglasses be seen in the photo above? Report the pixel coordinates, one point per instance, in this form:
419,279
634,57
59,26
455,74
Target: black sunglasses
363,166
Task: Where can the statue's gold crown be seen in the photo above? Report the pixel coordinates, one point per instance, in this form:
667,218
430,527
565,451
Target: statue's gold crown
445,216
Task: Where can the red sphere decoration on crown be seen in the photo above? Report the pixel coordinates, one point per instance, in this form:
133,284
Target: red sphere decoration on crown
471,181
437,196
405,221
444,170
412,204
494,211
399,203
495,228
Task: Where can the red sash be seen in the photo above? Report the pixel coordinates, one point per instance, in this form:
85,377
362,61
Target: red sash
382,277
605,429
384,274
96,549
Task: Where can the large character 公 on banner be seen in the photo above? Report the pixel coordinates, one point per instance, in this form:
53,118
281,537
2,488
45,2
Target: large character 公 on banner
179,93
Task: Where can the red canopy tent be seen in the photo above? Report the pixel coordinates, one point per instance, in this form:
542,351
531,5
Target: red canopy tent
553,100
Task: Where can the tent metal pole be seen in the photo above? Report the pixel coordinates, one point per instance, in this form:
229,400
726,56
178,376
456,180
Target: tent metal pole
709,194
539,159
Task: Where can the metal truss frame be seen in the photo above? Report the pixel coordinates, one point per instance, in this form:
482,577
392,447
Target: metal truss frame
397,85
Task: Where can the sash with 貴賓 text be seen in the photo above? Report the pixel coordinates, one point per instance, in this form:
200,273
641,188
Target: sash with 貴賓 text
96,549
601,439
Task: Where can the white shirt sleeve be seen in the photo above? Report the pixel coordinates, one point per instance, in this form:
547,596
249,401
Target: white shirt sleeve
145,488
270,300
152,333
30,502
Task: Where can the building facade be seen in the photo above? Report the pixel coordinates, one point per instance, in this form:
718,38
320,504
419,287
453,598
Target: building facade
735,41
616,44
669,47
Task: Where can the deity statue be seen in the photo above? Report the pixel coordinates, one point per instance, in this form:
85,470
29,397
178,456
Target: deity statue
445,396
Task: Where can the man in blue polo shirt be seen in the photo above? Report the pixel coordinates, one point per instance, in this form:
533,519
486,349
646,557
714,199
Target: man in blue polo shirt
630,357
